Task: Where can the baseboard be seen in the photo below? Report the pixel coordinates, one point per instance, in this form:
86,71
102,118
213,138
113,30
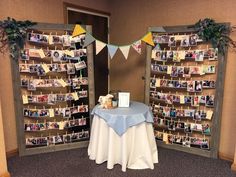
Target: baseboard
6,174
226,157
233,167
12,153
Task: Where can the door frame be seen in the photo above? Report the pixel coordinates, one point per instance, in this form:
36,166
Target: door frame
76,8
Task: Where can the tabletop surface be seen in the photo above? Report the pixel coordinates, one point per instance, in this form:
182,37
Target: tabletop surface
120,119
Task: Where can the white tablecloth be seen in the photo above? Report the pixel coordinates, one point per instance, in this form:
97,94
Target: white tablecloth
135,149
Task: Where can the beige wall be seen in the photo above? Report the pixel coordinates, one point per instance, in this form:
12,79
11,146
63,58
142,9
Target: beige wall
3,162
50,11
131,19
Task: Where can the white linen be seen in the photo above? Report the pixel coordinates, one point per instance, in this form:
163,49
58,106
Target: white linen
135,149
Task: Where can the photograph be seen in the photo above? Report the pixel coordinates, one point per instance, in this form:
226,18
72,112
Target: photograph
172,41
195,101
172,112
208,84
174,71
70,68
153,83
66,40
199,55
193,40
33,68
196,142
187,99
187,128
184,41
24,54
179,125
186,72
198,86
40,71
67,138
180,113
166,112
186,140
24,82
191,86
196,127
62,67
169,99
56,55
171,83
195,70
66,113
180,70
171,125
210,100
206,129
52,98
176,56
189,112
31,85
212,53
57,39
42,98
205,144
170,54
189,54
34,53
202,99
178,140
24,68
164,39
80,65
163,83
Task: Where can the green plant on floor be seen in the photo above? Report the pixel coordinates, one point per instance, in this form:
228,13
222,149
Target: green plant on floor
215,33
13,35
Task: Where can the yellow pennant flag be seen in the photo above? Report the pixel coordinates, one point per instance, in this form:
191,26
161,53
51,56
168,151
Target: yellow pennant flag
148,39
78,30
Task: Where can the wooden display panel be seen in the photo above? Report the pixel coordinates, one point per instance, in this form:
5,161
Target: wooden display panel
152,99
76,124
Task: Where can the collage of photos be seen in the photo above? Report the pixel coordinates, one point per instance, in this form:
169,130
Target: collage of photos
189,86
190,55
55,55
193,100
188,127
69,68
55,125
52,99
187,141
57,139
172,112
33,84
65,112
49,39
184,71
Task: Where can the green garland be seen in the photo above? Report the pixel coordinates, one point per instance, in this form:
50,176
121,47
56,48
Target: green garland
215,33
13,34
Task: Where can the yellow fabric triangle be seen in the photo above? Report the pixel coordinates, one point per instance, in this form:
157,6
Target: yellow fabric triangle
78,30
148,39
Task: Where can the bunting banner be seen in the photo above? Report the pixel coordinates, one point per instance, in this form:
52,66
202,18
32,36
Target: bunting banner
78,30
112,50
148,39
125,50
137,46
99,46
88,39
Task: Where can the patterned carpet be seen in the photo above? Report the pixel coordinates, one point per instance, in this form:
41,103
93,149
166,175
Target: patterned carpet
75,163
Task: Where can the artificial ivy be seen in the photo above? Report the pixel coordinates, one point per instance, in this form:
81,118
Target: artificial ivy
13,35
215,33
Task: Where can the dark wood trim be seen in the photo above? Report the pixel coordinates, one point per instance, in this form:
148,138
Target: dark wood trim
66,5
12,153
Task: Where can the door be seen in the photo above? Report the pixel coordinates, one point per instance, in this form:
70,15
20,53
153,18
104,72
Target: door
100,31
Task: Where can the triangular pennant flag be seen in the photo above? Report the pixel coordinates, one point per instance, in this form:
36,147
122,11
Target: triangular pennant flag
125,51
78,30
99,46
112,50
157,47
148,39
137,46
88,39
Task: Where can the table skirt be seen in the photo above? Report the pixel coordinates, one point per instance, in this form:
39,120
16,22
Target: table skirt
135,149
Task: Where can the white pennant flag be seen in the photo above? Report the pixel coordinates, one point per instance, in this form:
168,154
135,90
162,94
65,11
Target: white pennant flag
137,46
99,46
125,51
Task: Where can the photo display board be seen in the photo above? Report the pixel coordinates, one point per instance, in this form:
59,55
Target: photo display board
56,90
185,90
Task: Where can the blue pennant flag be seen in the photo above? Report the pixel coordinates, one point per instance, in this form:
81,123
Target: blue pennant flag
112,50
88,39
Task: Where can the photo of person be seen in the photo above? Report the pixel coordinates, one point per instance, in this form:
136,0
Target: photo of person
177,84
56,55
163,83
195,70
180,70
33,37
62,68
40,71
172,112
165,39
196,127
156,55
170,54
176,98
198,86
190,86
188,54
60,97
42,98
70,68
205,144
178,140
53,67
187,99
180,113
153,83
169,99
208,84
171,125
193,40
183,84
187,128
166,112
211,69
195,142
156,38
32,98
174,71
210,100
187,72
69,97
172,41
43,112
66,40
199,55
206,129
24,54
212,53
184,41
31,85
189,112
52,99
176,56
24,68
170,83
195,101
164,55
57,39
67,138
66,113
80,65
24,82
202,99
197,115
